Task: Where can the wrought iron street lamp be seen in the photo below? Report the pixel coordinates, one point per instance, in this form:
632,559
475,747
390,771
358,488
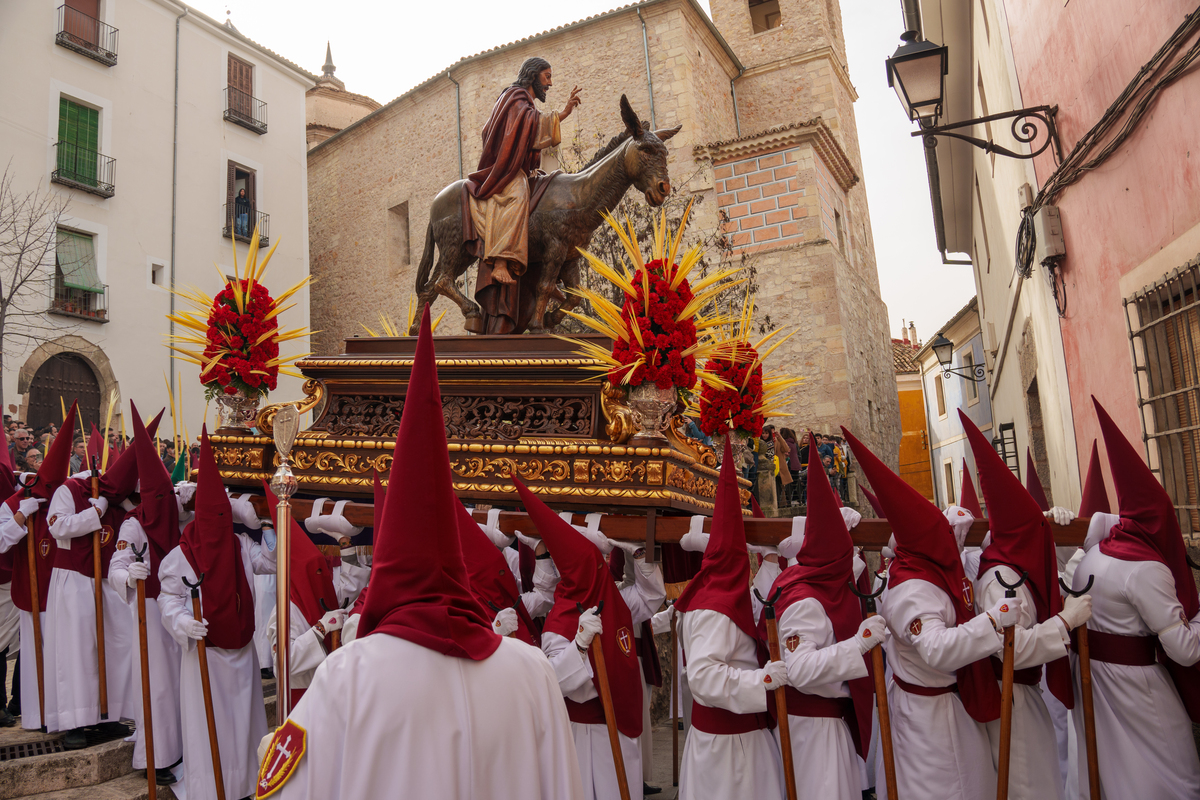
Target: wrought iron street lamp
917,72
943,350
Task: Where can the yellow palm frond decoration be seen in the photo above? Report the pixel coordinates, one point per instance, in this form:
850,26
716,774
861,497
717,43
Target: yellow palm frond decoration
235,337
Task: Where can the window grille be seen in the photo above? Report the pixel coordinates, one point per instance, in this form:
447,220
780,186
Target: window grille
1164,333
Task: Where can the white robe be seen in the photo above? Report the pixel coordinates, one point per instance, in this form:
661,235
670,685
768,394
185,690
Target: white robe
1143,734
237,697
70,652
1033,768
827,765
573,669
264,610
306,649
10,534
388,718
10,623
163,654
723,672
941,753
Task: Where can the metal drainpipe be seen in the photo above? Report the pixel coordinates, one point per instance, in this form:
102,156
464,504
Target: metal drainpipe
649,80
174,186
458,119
733,91
912,16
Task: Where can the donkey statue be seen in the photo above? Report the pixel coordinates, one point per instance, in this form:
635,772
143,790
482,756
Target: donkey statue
564,220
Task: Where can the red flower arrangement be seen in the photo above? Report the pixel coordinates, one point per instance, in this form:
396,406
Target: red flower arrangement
661,351
656,330
730,407
235,337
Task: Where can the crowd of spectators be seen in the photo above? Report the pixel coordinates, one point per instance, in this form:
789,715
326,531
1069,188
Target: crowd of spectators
27,446
786,454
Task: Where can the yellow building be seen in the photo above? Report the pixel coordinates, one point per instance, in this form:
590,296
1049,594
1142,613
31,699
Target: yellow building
914,441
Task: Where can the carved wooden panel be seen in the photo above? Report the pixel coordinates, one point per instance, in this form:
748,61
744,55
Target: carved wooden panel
506,418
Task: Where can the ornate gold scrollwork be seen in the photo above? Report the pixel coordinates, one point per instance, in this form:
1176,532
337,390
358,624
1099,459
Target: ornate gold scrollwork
620,427
352,463
314,392
618,471
687,445
532,469
238,457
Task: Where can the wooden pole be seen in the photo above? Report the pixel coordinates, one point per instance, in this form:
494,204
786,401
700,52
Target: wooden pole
98,585
676,689
283,608
610,717
147,715
1089,712
785,732
36,604
1006,694
1085,691
885,719
208,702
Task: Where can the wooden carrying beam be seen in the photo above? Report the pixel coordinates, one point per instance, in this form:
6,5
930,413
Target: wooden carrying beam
871,534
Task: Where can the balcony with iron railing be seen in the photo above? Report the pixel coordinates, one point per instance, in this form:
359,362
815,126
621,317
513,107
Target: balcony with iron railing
84,169
240,223
87,36
246,110
91,306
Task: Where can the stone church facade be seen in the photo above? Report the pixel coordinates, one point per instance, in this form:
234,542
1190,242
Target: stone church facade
768,141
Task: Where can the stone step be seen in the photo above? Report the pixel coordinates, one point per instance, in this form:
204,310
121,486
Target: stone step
69,769
127,787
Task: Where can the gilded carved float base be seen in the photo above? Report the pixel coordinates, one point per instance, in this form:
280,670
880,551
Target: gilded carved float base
524,406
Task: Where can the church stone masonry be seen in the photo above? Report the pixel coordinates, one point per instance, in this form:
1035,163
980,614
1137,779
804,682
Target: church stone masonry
784,165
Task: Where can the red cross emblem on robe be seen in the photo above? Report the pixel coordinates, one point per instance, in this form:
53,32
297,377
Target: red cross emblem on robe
968,593
286,750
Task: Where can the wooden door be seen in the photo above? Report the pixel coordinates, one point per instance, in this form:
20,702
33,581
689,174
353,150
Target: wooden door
70,378
81,21
241,86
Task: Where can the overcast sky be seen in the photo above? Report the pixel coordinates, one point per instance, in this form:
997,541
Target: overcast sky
383,48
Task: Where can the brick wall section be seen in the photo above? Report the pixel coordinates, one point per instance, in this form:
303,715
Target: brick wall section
770,199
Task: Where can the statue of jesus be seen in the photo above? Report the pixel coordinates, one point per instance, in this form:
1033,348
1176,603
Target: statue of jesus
499,193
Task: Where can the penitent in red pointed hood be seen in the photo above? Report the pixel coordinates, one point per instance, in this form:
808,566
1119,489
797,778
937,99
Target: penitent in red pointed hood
824,570
1095,495
722,583
121,478
969,500
1021,540
492,582
1033,483
586,583
214,551
157,513
1149,531
926,550
420,590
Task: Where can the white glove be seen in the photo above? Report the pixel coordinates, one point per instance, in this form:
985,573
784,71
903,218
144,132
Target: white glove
1060,516
789,547
529,541
269,537
244,513
1076,611
1099,529
695,540
196,629
960,521
29,506
592,532
850,517
860,566
774,675
589,627
100,504
185,490
492,529
333,620
1007,612
137,571
870,633
762,550
505,621
661,622
890,550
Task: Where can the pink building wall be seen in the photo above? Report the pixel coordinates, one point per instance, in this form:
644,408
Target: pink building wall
1080,56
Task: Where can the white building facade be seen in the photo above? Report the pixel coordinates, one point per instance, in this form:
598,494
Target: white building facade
148,118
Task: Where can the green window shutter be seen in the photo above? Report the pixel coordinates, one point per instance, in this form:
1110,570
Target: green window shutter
76,259
78,141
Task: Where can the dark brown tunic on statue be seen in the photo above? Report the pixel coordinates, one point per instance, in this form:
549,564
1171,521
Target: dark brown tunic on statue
497,201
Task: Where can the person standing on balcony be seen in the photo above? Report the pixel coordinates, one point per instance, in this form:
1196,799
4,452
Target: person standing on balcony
241,212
